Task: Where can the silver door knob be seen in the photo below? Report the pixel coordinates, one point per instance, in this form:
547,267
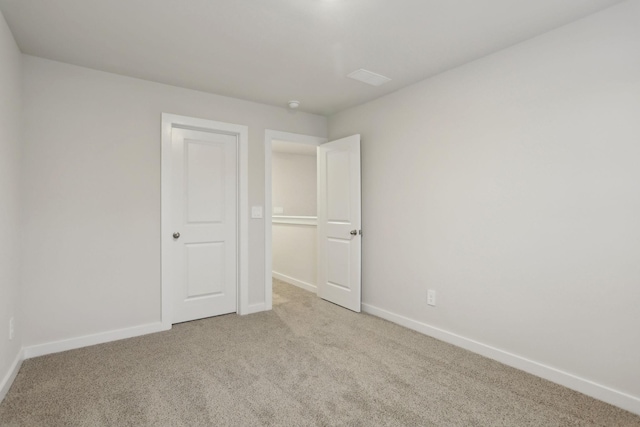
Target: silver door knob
354,232
176,235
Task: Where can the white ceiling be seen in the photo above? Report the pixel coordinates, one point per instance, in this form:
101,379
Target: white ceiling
272,51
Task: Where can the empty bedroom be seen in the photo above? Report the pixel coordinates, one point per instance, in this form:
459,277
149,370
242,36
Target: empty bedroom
319,213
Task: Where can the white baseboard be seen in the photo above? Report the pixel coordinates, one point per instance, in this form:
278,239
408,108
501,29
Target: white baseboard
5,385
295,282
590,388
87,340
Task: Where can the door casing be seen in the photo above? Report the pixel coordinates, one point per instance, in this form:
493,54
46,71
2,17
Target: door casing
169,122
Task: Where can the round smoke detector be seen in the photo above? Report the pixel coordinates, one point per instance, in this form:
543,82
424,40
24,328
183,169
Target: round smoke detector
294,104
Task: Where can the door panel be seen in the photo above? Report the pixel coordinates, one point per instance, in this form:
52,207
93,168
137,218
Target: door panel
205,269
205,181
337,163
204,170
339,251
337,269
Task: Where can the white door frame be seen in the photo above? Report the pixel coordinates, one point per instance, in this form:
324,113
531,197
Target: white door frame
269,136
170,121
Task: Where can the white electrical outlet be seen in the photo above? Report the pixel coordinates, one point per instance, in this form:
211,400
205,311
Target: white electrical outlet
431,297
11,330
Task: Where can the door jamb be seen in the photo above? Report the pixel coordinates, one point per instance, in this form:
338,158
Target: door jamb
170,121
269,136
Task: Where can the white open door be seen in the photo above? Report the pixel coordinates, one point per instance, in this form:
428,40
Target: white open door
339,226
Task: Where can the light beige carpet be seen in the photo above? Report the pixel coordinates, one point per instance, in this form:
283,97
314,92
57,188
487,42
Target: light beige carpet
306,363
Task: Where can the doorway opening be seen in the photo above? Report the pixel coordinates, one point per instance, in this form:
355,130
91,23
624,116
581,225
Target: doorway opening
338,233
290,210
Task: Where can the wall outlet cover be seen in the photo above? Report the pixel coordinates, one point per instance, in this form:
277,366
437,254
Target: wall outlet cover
431,297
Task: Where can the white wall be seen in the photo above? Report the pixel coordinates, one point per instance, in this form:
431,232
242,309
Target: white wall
511,185
295,246
92,194
294,183
10,153
295,254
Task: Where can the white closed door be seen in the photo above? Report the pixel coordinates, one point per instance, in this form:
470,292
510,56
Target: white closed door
339,223
204,213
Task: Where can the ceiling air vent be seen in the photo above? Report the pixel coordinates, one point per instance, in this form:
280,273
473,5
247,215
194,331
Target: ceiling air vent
368,77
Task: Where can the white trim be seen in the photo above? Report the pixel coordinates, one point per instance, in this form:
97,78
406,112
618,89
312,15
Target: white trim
93,339
169,121
270,135
255,308
574,382
295,282
295,220
7,381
